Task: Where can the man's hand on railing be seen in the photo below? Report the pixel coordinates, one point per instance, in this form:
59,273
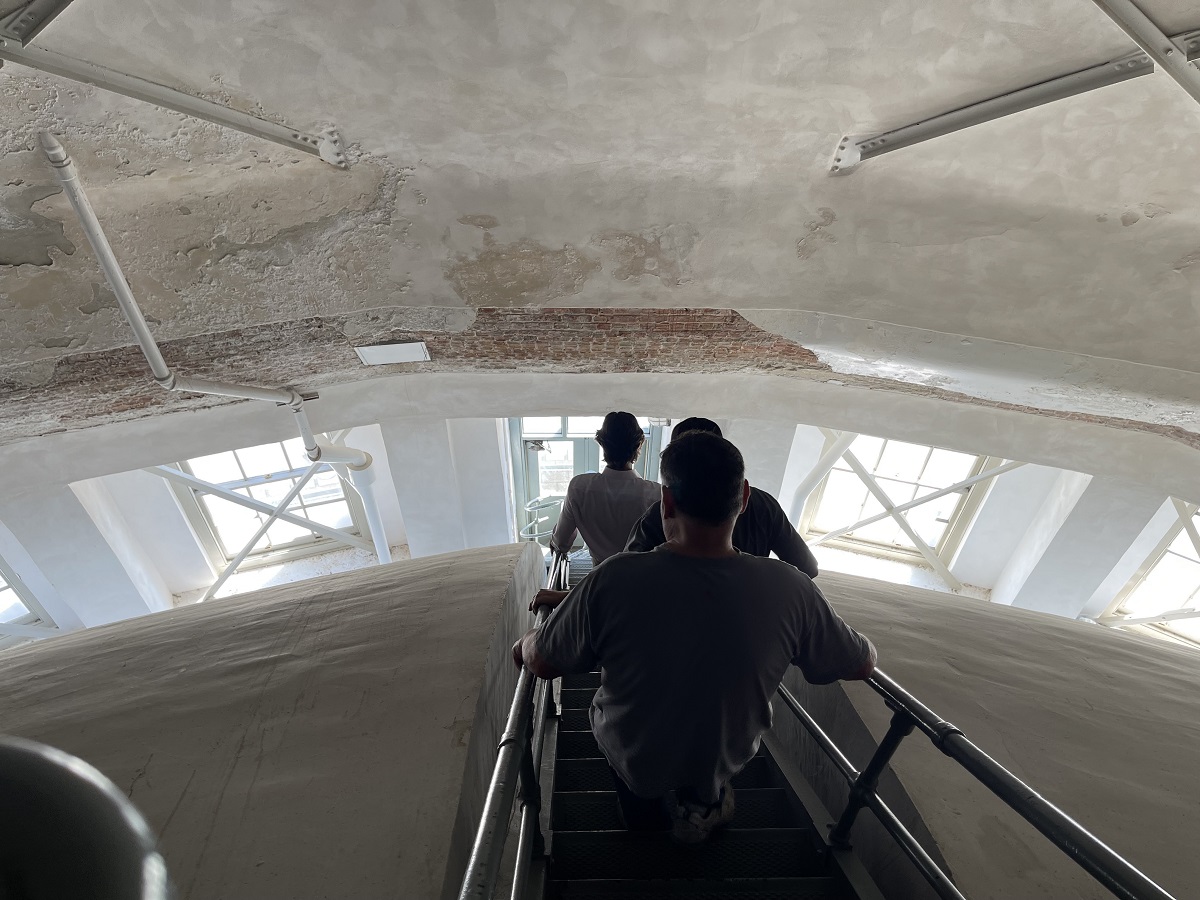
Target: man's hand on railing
548,598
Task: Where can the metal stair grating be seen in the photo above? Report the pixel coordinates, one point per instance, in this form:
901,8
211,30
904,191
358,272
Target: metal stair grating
817,888
594,775
599,811
748,853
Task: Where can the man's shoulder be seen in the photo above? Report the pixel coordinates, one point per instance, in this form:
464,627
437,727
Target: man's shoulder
582,480
777,572
763,501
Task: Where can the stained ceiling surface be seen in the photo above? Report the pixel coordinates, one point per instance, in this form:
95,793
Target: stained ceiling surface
610,155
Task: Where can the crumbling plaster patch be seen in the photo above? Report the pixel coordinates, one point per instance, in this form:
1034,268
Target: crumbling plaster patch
26,237
521,273
215,230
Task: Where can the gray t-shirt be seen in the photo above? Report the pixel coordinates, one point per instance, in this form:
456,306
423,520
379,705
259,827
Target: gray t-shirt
691,652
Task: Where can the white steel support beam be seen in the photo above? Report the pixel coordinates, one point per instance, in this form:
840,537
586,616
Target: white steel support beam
1185,518
853,149
23,23
327,144
1172,53
904,507
262,529
841,441
1172,616
192,481
886,502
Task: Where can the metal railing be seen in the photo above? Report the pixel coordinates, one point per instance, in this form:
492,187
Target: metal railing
908,713
519,753
518,759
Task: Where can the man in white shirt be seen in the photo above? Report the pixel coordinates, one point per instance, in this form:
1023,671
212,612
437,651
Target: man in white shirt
605,506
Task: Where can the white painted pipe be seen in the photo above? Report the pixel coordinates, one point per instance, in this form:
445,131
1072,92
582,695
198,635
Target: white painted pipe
68,177
339,454
358,462
363,480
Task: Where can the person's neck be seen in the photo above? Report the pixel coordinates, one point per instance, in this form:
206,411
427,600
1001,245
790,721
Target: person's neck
705,541
625,468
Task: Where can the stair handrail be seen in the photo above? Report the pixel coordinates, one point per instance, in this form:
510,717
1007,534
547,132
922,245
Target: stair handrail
1113,871
518,758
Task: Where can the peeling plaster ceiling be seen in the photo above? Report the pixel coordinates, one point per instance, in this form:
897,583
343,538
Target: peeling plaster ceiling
625,155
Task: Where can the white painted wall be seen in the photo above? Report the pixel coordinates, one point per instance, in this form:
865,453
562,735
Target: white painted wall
807,444
370,438
1070,555
129,550
46,594
1012,504
157,523
480,458
766,447
1131,560
64,543
1068,487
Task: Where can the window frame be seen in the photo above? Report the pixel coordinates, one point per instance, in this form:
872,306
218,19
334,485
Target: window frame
952,538
207,534
586,458
36,615
1117,608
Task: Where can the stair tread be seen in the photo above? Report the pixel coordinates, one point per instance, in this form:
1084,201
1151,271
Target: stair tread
599,810
728,853
592,774
818,887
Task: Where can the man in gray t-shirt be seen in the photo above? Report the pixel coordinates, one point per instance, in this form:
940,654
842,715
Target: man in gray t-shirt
692,640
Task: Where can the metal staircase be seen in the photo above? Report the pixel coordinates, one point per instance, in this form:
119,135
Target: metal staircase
770,851
574,847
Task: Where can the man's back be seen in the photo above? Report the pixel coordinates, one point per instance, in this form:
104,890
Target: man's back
603,507
761,529
691,651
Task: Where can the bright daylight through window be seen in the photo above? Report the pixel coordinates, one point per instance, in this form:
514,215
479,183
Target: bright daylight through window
13,610
904,472
548,451
1171,582
266,473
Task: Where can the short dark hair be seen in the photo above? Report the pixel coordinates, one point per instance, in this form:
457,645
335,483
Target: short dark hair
620,437
695,423
704,474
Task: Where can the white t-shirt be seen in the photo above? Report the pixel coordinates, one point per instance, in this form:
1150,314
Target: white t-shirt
603,507
691,651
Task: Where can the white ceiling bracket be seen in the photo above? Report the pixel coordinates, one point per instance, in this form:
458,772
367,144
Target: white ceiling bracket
1174,53
326,145
853,149
23,23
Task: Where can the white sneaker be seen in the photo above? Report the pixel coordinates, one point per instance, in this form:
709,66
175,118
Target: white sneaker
692,823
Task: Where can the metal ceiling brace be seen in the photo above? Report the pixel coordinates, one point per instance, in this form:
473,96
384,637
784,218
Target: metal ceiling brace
327,144
1173,53
23,23
205,487
853,149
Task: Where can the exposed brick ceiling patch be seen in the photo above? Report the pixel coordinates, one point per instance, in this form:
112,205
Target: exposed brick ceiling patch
89,389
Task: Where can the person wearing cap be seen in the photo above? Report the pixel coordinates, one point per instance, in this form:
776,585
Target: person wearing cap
604,506
761,529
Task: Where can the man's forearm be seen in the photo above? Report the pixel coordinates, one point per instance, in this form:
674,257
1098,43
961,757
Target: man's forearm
534,661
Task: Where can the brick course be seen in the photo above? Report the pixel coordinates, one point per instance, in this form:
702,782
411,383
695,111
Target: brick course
95,388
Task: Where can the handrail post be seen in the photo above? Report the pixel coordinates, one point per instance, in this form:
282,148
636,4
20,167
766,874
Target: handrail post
863,788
